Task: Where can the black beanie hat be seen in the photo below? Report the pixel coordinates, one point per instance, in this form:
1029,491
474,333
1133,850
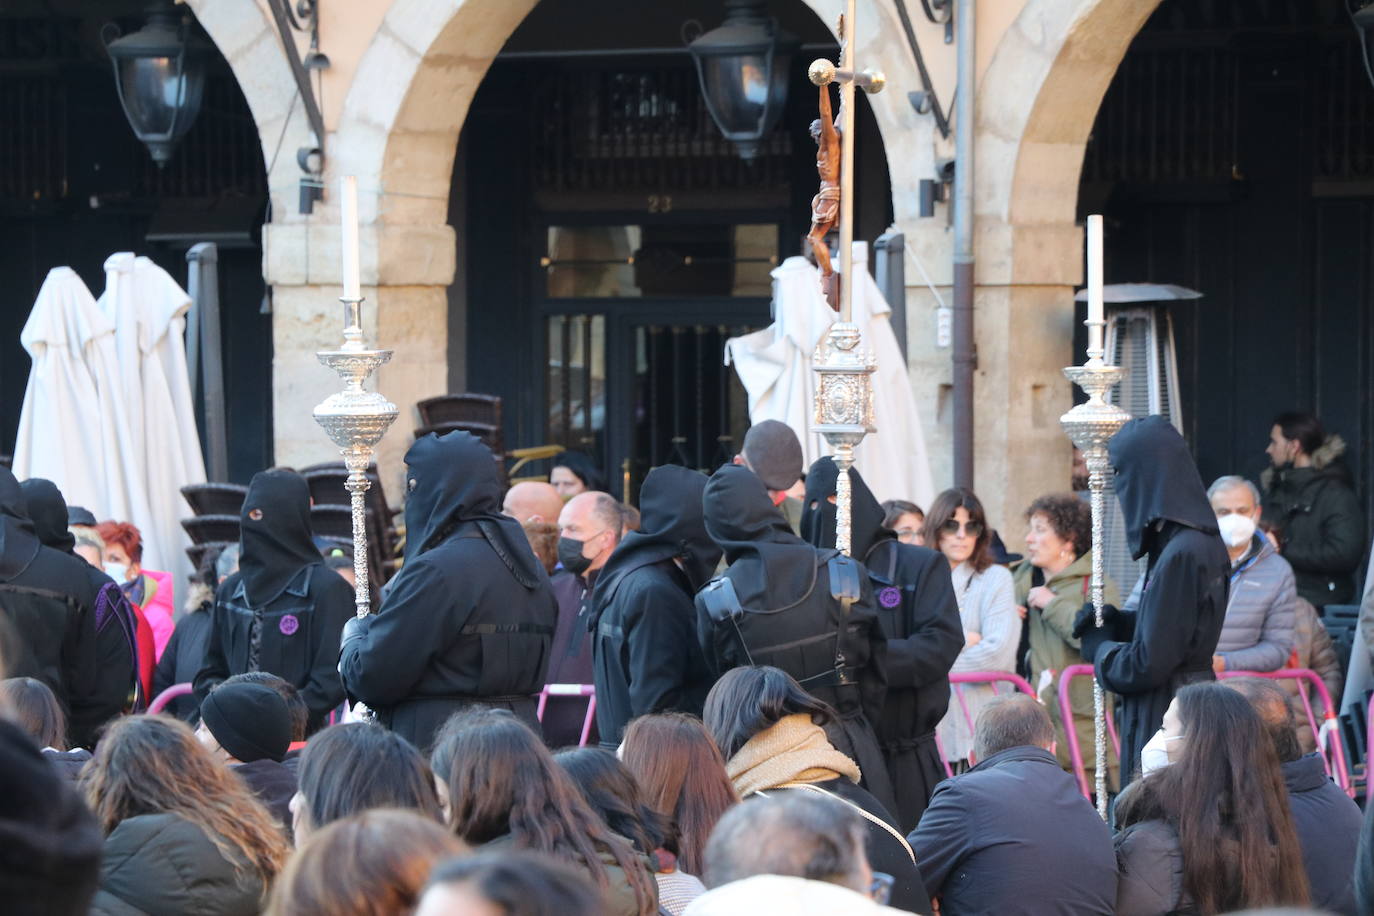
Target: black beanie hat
250,721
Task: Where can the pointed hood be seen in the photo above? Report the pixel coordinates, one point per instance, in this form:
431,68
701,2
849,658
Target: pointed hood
18,544
769,565
275,534
48,511
671,526
451,480
1157,479
865,512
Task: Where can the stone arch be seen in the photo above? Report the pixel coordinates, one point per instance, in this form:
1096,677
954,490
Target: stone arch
410,97
247,38
1038,100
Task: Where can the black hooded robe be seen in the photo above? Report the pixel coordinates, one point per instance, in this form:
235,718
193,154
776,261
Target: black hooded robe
114,621
53,605
283,611
1169,641
791,619
643,620
920,618
469,620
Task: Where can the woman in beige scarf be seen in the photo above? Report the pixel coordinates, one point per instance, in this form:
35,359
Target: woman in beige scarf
772,735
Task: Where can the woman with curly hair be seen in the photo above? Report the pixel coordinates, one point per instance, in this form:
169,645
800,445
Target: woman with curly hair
1052,584
183,833
506,791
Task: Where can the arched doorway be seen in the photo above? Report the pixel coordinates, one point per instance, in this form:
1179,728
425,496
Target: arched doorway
1232,154
610,240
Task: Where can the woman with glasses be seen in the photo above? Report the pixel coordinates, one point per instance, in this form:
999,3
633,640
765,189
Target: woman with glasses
957,527
906,520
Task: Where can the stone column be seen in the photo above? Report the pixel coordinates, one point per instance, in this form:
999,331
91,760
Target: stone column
1023,306
406,270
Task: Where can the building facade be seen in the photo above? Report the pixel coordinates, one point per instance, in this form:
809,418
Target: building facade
468,210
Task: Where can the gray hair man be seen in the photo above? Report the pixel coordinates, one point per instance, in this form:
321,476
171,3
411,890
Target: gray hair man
1257,633
986,845
790,852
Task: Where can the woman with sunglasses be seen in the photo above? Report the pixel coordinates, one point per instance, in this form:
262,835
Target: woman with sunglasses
957,527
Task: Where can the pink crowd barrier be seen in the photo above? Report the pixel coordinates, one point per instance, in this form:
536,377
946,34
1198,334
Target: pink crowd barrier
171,693
1327,734
1080,771
571,690
992,678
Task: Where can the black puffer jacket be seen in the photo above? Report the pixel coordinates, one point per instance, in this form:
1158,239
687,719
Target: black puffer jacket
164,865
1320,524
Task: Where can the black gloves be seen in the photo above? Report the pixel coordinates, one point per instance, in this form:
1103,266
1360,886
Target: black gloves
1091,637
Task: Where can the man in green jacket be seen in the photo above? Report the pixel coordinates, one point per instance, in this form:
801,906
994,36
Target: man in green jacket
1308,498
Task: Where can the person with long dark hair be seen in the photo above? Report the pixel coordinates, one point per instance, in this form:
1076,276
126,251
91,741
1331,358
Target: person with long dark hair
807,610
920,617
505,791
772,734
31,705
351,768
612,792
957,527
283,611
682,775
1210,831
183,833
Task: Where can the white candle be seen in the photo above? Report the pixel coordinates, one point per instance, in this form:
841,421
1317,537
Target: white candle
348,228
1095,316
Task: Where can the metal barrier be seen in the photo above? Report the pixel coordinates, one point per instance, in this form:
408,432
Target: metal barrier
171,693
571,690
1327,734
978,677
1080,771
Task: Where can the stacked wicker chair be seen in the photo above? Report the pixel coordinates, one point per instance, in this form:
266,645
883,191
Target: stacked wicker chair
217,507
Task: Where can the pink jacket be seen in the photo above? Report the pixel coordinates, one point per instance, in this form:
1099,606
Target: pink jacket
158,607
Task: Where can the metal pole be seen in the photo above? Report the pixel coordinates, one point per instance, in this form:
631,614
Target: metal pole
203,269
847,168
964,356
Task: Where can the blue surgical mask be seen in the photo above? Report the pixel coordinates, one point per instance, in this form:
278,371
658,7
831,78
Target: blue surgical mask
118,572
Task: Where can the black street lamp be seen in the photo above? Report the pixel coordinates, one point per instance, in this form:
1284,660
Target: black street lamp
160,75
743,69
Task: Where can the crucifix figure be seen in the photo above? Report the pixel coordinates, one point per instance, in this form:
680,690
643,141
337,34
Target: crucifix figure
825,206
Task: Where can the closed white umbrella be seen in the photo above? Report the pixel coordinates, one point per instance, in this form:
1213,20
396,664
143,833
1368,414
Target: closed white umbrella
160,449
774,365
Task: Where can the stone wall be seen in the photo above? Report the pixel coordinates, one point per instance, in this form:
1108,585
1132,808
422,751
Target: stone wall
405,72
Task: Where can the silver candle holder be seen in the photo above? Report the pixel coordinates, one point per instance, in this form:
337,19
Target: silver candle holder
1090,426
356,419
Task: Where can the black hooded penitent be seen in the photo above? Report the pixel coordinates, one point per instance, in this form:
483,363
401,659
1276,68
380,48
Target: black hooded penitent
920,617
275,534
1169,641
283,611
788,613
48,512
470,617
65,634
645,656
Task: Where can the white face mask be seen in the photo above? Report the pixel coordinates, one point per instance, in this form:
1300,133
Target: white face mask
1236,529
118,572
1155,754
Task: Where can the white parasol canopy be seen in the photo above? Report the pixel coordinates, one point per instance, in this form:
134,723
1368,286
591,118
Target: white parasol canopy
774,365
160,447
